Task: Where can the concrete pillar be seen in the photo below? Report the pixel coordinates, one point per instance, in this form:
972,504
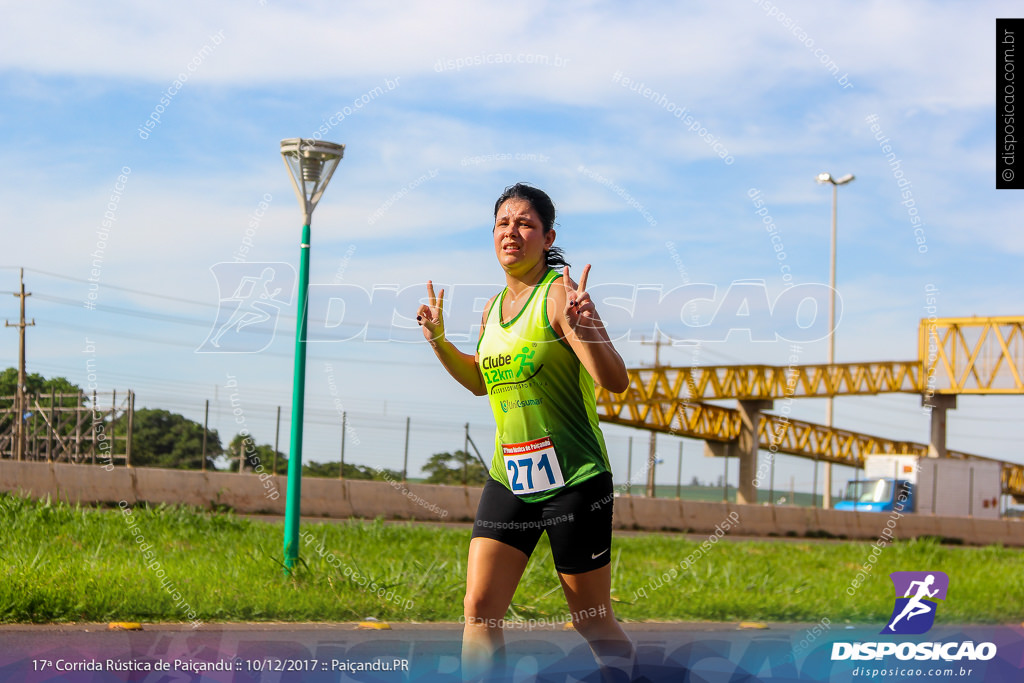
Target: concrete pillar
750,419
938,404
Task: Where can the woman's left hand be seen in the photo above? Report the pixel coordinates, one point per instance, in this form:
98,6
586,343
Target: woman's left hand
589,339
579,308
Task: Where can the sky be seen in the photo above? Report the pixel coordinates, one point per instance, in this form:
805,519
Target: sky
680,143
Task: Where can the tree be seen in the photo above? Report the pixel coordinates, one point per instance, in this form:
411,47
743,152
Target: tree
38,388
35,384
255,455
454,468
161,438
330,470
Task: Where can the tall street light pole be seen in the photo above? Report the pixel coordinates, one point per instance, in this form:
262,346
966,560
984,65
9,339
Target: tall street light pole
310,163
826,500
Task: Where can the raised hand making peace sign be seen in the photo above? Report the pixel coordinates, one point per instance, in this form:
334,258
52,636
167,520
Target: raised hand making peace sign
431,317
579,308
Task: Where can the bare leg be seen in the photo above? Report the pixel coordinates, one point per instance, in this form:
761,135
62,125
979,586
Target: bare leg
492,575
589,598
921,608
907,609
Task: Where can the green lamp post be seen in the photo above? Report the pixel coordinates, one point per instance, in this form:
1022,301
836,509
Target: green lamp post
310,163
822,178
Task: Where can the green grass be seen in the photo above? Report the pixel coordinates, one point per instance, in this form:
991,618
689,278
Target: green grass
64,563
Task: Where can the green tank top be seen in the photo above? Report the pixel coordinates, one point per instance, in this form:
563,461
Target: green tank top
547,435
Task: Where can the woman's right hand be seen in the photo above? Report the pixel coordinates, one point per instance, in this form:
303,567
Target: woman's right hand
431,316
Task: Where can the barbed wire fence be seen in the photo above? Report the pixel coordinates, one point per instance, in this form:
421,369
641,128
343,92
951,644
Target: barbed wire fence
98,429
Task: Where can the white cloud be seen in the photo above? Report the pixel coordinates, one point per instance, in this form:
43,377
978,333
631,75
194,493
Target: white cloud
700,52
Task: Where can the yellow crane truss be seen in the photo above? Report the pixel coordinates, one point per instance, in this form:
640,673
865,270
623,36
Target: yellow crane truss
957,355
973,355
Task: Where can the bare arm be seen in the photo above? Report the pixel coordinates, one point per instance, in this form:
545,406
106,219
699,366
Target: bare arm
575,318
461,366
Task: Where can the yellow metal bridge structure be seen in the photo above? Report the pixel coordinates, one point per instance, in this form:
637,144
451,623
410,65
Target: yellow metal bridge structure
980,356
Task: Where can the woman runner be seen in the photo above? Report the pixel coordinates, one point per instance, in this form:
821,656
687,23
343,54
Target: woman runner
541,349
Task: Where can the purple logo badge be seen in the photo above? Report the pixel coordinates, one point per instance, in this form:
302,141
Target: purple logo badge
916,595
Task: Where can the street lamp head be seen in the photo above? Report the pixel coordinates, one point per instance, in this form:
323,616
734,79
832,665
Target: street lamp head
310,164
827,178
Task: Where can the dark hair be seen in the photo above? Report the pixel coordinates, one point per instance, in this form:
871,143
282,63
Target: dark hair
544,207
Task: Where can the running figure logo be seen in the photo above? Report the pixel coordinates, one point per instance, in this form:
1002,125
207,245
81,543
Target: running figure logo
916,593
524,359
247,316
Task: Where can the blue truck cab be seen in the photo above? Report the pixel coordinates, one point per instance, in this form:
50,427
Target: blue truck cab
880,494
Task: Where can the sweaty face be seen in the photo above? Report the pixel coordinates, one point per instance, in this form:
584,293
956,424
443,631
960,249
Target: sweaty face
519,239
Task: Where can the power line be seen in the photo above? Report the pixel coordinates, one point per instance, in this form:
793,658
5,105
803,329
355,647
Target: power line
122,289
119,334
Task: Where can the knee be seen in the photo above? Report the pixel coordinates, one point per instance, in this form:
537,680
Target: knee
482,609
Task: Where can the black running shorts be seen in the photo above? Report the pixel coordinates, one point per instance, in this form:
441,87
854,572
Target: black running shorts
578,521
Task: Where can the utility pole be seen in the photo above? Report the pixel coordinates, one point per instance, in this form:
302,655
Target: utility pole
344,427
405,461
629,469
20,396
653,449
206,428
465,458
679,473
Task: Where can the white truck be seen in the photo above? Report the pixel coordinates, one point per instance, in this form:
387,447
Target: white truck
948,487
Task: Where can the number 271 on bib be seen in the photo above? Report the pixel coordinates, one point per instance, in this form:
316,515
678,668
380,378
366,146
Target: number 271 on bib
532,466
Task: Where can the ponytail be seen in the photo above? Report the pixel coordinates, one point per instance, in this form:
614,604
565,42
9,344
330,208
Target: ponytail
554,258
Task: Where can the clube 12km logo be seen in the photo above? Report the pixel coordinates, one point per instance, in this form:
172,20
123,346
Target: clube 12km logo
917,596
